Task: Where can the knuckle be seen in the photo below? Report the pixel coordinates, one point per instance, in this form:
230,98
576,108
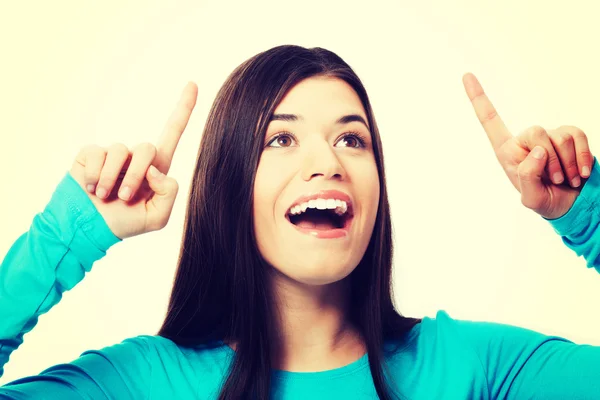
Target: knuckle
133,178
118,148
553,160
562,138
106,182
146,147
571,165
578,133
586,154
90,177
89,151
537,132
91,158
573,130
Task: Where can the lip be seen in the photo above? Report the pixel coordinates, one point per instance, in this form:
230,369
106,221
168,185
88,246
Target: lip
330,233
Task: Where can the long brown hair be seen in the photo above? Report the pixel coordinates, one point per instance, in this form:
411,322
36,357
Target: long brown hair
220,290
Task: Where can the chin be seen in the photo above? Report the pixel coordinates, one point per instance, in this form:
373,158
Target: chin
319,275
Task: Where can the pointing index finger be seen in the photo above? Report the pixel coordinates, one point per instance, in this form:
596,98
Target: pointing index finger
167,143
493,125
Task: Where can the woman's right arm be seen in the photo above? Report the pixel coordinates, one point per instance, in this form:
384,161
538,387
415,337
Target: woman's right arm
79,224
52,257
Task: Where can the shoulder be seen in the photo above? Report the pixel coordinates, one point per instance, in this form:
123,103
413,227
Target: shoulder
478,333
127,365
138,367
485,339
496,347
162,365
470,353
157,352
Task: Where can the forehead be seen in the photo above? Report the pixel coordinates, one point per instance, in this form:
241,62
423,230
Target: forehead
321,96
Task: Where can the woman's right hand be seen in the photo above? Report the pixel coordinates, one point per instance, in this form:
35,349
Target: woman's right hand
115,168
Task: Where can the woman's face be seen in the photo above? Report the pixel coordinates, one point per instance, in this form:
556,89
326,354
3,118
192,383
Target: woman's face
310,164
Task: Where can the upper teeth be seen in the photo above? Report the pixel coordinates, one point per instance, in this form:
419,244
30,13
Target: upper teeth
339,206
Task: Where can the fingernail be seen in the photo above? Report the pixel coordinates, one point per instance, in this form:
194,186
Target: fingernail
538,152
91,188
125,193
576,182
585,171
101,192
558,177
155,172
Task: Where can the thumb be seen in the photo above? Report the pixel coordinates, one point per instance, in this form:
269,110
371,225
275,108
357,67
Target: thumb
160,205
533,191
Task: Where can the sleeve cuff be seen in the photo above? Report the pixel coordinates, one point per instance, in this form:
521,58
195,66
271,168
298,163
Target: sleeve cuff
578,215
81,227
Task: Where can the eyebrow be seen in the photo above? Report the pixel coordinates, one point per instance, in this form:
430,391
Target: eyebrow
346,119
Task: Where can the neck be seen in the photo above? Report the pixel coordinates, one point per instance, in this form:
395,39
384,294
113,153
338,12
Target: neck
314,332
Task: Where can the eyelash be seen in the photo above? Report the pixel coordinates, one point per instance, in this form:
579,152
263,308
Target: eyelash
360,138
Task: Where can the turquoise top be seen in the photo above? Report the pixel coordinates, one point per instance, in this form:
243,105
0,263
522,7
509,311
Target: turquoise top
440,358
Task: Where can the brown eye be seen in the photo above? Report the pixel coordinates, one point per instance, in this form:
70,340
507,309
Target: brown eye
352,140
282,140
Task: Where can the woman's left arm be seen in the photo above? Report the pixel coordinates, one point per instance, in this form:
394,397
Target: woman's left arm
554,170
520,363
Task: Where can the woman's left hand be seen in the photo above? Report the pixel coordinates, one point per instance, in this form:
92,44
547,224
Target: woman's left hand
564,152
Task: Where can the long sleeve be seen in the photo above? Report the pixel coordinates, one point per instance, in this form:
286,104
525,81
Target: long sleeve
579,228
519,363
523,364
121,371
52,257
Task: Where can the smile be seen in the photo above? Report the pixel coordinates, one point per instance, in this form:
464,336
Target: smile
324,215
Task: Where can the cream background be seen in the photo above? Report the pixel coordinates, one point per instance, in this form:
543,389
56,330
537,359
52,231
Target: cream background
75,73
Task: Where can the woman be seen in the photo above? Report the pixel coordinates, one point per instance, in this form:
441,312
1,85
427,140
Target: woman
283,284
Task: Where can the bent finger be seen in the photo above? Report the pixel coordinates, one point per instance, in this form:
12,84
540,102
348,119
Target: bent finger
141,158
585,159
537,136
564,145
117,158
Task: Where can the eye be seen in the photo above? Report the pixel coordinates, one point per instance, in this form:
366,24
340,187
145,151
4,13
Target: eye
283,139
353,139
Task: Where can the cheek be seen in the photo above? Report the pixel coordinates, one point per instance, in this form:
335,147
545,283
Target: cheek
366,184
262,195
269,183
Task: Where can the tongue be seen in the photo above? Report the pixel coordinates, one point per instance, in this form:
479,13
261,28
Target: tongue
318,225
315,219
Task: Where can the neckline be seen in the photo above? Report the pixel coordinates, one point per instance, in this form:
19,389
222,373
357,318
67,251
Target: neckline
353,367
347,369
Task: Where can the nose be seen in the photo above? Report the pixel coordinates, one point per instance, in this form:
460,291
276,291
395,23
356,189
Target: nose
320,159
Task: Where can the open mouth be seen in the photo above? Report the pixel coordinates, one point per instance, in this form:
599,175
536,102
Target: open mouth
321,215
